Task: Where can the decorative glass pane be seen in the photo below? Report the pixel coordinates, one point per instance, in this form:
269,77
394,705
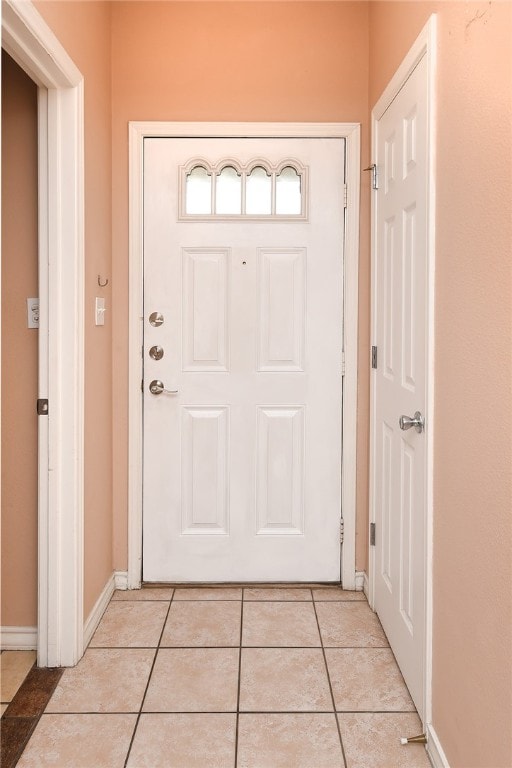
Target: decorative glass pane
228,192
199,191
258,192
288,192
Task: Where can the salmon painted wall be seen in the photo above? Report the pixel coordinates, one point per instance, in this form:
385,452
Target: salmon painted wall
19,347
472,676
83,28
255,61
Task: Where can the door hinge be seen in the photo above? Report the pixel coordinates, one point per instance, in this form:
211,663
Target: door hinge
343,363
374,357
375,178
42,406
345,196
342,530
372,534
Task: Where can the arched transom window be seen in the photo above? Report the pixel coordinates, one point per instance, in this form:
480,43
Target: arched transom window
256,190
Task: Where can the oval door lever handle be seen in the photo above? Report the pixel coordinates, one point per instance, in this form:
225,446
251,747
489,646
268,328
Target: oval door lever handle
417,421
157,388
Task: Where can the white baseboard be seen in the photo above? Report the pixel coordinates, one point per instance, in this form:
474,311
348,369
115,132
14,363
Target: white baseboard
121,579
99,609
435,750
362,582
359,581
18,638
366,585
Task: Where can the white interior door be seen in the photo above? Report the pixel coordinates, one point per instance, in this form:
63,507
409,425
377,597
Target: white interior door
242,462
400,330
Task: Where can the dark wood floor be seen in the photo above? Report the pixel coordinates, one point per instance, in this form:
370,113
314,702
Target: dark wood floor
23,713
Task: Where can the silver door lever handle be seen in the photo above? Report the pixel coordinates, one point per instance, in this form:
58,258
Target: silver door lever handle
417,421
157,388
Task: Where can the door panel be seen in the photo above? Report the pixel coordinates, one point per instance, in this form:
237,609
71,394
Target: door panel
280,470
204,472
242,455
400,332
206,309
282,303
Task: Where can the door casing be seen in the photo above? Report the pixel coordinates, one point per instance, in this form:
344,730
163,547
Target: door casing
34,47
138,131
425,45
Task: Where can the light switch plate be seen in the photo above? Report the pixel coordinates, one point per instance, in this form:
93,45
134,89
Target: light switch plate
99,311
32,313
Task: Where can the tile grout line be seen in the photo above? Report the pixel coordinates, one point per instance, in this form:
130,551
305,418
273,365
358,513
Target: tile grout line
230,647
196,600
238,600
148,682
239,678
280,599
343,756
233,712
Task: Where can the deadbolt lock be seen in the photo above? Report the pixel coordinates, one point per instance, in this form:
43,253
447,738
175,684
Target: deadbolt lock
156,352
156,319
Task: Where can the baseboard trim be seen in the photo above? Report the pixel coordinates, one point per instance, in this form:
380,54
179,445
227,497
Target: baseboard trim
99,609
18,638
362,583
435,750
121,579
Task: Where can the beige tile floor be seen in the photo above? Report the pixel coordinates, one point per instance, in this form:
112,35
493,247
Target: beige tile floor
14,667
231,678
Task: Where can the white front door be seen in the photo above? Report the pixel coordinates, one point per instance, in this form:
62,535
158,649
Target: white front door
400,279
243,259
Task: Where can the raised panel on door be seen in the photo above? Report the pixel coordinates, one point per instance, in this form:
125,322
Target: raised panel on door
389,298
280,470
205,470
282,298
409,298
408,470
387,504
205,309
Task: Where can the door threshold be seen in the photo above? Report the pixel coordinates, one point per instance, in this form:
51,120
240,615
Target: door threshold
248,584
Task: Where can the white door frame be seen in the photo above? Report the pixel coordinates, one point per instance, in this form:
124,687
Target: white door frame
138,131
425,45
34,47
